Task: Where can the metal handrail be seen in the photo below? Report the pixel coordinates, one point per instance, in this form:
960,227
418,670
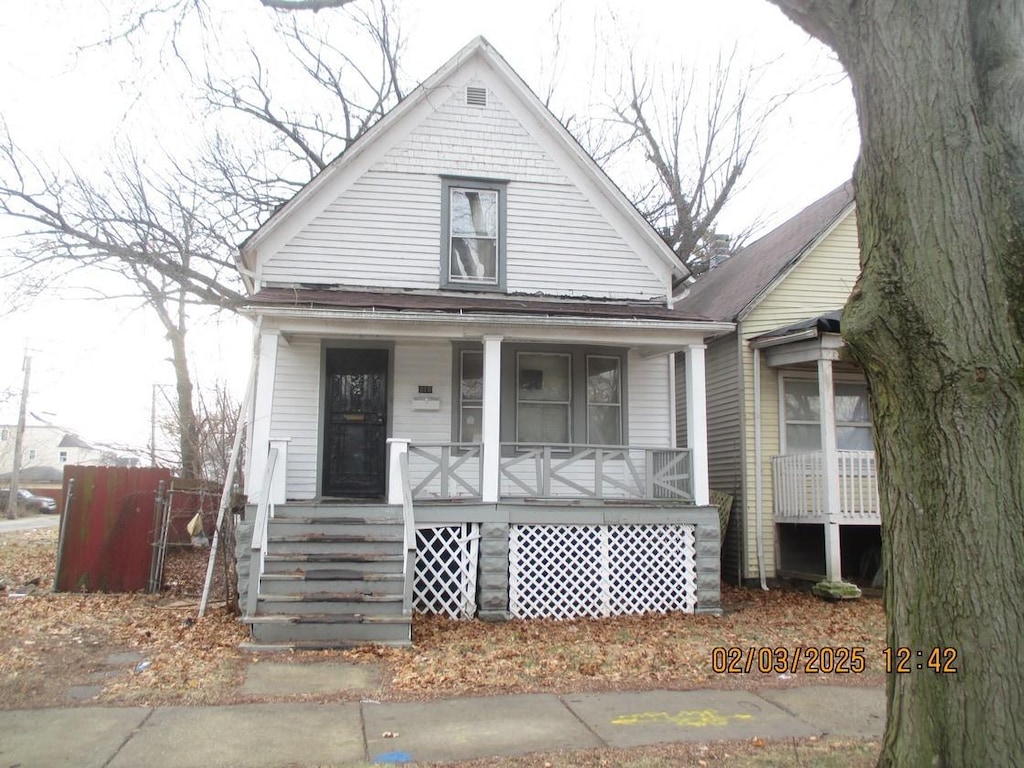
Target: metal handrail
259,535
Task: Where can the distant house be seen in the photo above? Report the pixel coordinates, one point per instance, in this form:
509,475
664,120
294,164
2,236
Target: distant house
45,449
788,423
466,329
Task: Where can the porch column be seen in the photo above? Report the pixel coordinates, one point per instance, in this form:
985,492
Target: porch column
830,469
397,446
491,427
263,404
697,423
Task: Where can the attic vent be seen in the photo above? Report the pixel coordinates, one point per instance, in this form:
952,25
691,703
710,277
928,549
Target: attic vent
476,97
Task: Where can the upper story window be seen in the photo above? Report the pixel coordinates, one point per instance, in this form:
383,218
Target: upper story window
473,234
62,457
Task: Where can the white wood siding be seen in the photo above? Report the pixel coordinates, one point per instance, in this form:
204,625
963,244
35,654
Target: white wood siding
821,282
296,416
384,230
649,395
428,363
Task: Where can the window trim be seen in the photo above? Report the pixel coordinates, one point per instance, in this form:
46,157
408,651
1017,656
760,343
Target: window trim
448,183
578,368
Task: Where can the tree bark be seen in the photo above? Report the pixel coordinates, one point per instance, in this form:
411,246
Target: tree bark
937,323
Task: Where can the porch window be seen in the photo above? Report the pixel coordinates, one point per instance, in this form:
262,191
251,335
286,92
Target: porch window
471,394
473,234
604,400
543,397
803,416
549,394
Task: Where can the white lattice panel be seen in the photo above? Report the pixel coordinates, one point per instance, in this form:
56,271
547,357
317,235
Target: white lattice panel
555,571
445,579
568,571
651,568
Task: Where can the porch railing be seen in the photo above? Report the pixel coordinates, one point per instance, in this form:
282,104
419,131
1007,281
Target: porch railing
595,472
264,510
799,488
445,470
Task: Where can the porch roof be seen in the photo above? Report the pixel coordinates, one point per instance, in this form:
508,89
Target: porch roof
816,338
411,301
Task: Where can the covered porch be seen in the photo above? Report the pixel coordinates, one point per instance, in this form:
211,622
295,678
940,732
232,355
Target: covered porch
531,461
825,472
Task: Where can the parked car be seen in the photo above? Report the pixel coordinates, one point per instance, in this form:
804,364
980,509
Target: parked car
28,502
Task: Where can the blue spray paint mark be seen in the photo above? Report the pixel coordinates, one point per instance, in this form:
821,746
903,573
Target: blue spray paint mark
393,757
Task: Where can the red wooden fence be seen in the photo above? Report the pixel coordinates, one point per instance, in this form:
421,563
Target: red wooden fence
107,535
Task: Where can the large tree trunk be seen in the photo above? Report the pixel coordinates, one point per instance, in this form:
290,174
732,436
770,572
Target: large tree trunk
937,321
188,435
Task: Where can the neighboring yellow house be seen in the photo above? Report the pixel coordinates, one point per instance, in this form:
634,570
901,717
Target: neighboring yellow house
769,439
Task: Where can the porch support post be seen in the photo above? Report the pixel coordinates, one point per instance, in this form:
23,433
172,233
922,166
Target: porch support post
697,423
830,469
491,427
262,408
396,447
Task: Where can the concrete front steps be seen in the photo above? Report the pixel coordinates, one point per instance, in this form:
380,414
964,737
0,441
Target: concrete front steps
332,578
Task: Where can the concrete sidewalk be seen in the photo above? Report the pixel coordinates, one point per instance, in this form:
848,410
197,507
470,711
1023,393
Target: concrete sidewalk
357,733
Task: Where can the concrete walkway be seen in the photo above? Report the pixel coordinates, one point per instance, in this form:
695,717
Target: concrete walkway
367,732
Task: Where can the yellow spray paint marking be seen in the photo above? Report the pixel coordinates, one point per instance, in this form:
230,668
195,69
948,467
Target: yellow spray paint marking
694,718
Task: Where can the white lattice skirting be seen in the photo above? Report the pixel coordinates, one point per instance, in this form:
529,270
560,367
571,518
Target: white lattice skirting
569,571
446,560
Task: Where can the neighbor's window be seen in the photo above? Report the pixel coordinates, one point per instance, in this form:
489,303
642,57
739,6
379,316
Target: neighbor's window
4,434
62,457
30,454
604,400
803,416
473,234
543,397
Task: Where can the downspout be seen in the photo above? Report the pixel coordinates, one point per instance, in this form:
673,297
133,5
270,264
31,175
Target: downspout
758,483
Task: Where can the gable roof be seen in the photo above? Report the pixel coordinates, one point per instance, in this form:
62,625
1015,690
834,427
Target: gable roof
730,291
477,49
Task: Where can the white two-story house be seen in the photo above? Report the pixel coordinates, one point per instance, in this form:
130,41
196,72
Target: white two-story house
467,333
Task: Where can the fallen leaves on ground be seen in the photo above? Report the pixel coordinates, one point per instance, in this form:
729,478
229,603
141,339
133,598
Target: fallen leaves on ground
55,642
639,652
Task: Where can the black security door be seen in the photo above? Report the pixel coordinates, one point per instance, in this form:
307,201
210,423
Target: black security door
355,427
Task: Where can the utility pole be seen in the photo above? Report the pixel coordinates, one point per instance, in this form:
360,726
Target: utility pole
12,502
152,427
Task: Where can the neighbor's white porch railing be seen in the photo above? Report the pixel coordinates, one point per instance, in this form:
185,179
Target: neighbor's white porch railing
799,488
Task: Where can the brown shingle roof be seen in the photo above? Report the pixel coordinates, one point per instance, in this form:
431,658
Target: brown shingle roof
727,291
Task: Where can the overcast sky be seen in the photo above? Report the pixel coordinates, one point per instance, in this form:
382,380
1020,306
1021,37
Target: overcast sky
64,95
